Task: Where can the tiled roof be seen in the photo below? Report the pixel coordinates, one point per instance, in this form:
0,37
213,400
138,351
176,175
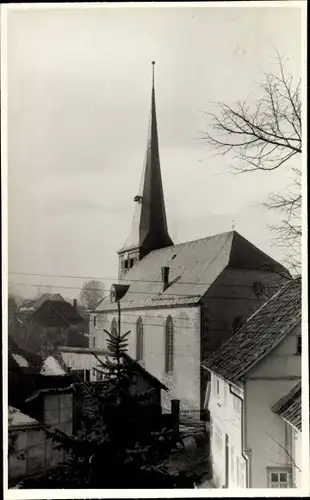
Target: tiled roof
289,407
263,331
57,313
28,306
193,268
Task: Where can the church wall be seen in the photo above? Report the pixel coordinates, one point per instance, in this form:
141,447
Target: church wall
233,296
184,381
230,297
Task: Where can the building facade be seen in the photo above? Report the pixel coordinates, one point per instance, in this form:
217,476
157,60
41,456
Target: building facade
251,445
180,302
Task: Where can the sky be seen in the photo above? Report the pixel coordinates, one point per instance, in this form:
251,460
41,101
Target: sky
79,92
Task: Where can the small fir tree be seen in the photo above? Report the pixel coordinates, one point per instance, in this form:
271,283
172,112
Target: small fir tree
115,448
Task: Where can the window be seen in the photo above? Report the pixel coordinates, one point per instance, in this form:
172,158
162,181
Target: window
237,323
232,461
299,344
279,478
94,341
131,262
169,334
217,387
126,263
94,372
139,339
86,375
95,320
114,328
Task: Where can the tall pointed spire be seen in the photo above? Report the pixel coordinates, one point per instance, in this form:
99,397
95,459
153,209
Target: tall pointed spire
149,229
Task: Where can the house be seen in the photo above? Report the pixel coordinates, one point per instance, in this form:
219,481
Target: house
251,437
26,446
43,324
180,302
289,408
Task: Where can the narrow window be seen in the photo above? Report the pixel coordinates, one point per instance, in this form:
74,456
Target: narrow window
218,387
126,263
169,334
86,375
114,328
95,320
94,341
94,372
131,262
299,344
139,339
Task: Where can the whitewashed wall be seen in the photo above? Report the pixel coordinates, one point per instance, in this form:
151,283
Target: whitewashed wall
267,435
184,382
225,411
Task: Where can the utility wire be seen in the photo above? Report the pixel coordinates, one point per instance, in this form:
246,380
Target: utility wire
134,292
123,279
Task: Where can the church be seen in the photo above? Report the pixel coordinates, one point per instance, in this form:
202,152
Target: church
180,301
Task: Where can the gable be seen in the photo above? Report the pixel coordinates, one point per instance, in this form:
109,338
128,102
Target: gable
261,333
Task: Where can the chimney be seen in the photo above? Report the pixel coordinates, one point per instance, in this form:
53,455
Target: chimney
75,304
165,277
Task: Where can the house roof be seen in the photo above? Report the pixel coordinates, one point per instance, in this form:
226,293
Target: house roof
18,419
262,332
57,313
104,353
139,368
28,306
193,268
51,390
289,407
51,367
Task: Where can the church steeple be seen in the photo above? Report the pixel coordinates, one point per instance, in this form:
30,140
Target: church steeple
149,229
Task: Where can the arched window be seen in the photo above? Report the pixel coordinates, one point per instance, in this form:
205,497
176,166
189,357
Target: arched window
139,339
114,328
169,331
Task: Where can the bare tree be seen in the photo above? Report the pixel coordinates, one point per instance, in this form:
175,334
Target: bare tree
92,292
266,135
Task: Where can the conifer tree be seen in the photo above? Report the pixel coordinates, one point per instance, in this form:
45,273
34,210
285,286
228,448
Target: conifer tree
115,448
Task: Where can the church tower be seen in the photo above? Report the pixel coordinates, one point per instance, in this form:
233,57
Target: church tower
149,228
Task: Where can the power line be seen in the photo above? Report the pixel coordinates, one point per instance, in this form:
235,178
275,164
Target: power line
123,279
137,292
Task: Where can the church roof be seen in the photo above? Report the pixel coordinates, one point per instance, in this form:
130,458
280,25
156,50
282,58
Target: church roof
193,268
149,228
260,334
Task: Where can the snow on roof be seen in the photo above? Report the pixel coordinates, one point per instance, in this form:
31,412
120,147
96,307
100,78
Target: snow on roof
51,367
20,360
17,418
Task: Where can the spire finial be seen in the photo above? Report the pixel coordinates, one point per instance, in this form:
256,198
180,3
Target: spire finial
153,71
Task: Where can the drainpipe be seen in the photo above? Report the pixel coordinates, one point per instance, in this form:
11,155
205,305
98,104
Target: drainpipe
246,458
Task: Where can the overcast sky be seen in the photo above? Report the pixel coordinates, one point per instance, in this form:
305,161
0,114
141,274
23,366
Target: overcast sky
79,83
